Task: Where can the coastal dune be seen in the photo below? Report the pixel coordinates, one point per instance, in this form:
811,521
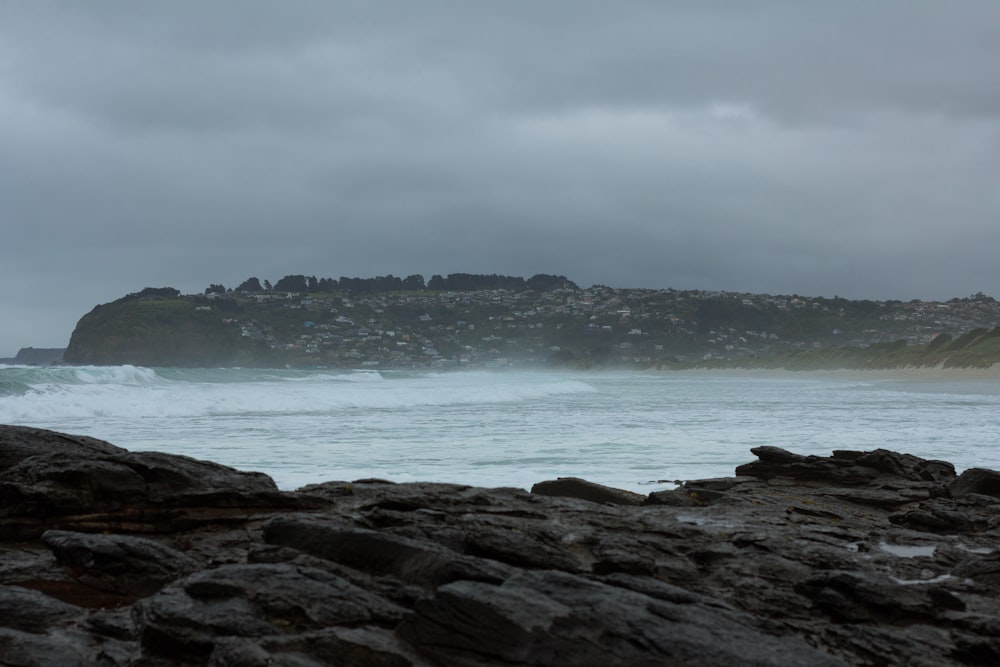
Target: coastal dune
114,557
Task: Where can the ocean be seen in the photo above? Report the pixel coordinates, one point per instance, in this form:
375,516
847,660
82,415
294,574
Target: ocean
633,430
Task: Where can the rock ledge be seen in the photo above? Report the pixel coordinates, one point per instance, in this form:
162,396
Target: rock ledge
111,557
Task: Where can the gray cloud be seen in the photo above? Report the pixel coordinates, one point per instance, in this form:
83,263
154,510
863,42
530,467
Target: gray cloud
846,148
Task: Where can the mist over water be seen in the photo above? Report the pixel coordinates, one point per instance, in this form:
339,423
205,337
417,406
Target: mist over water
630,430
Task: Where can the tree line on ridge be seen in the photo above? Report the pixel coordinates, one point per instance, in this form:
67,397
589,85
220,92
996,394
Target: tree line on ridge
454,282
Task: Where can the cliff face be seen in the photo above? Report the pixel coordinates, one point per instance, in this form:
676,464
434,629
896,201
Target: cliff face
158,331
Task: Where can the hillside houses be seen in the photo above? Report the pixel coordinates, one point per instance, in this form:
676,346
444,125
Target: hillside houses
577,326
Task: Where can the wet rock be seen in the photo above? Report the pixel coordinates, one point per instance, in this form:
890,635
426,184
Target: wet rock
546,618
574,487
674,498
31,611
360,647
977,480
408,560
39,631
90,489
934,520
855,598
21,442
905,466
118,563
862,557
845,467
983,569
776,462
233,606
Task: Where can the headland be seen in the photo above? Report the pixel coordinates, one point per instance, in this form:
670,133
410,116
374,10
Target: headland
473,321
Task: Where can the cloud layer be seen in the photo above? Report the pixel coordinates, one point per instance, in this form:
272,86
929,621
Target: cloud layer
843,148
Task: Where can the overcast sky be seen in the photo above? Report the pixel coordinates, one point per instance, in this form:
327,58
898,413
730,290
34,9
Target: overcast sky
845,148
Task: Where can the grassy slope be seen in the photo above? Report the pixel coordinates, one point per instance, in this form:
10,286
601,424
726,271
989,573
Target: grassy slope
977,349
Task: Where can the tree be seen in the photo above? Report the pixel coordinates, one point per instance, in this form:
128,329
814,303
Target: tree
543,282
158,291
215,289
296,283
250,285
414,283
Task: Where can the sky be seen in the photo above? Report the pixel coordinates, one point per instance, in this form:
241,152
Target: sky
846,148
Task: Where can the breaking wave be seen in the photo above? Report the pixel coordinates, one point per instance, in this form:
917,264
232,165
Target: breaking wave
45,394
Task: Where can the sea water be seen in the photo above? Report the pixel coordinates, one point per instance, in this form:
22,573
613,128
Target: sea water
632,430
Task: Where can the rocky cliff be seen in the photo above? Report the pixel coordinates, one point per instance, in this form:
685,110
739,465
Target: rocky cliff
160,331
111,557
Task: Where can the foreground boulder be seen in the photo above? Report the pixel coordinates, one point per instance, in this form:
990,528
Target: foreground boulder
112,557
53,481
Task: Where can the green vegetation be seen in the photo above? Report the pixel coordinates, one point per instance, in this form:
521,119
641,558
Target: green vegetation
400,323
455,282
154,330
978,348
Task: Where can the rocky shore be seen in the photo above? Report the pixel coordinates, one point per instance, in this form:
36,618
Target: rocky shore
112,557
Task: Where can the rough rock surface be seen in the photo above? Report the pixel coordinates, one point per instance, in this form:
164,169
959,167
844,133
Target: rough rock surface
110,557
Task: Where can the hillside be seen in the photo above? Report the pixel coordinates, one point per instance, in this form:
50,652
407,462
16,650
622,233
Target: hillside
979,348
162,330
555,323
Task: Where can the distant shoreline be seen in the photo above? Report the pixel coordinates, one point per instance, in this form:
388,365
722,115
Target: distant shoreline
905,373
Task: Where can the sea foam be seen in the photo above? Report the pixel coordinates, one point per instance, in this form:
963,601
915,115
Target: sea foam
500,428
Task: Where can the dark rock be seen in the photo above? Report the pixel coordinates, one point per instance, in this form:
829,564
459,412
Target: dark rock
862,557
39,631
412,561
983,569
856,598
239,604
519,541
24,649
20,442
698,493
776,455
934,520
89,488
31,611
720,483
574,487
977,480
776,462
553,618
360,647
672,497
118,563
906,466
882,498
845,467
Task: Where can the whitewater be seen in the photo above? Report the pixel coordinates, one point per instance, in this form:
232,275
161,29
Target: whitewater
635,430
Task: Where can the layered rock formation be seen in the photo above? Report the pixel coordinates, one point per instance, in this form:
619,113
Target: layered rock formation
111,557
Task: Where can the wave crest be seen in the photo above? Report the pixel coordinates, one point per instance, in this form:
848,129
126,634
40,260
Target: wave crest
126,375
